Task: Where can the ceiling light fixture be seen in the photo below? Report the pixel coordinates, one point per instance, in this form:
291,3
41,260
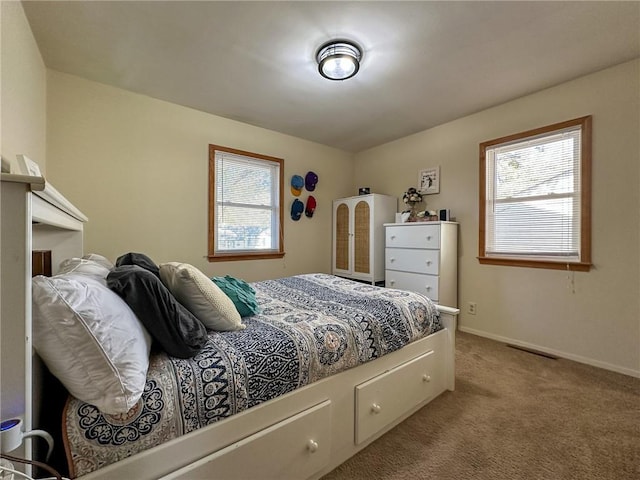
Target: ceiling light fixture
338,60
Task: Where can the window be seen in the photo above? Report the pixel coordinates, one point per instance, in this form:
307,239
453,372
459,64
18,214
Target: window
245,205
535,198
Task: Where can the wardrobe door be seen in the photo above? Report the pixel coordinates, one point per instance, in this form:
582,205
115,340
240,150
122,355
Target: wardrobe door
342,238
362,238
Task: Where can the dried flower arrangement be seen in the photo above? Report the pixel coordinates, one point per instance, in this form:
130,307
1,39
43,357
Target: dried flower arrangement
412,197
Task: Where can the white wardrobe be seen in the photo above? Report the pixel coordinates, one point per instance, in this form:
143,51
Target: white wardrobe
358,236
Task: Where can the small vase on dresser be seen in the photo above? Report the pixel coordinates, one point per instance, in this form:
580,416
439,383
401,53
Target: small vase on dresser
423,257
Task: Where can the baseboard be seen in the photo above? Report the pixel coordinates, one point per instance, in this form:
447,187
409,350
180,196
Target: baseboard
551,351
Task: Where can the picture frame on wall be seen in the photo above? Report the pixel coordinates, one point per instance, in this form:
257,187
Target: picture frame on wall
28,167
429,180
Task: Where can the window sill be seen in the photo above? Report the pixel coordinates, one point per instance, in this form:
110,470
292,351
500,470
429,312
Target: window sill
510,262
232,257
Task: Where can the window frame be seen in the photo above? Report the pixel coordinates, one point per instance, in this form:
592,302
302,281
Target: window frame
583,264
214,256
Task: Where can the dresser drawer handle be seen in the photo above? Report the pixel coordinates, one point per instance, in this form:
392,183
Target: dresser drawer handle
428,262
393,237
428,288
428,237
392,259
426,378
375,408
392,282
312,446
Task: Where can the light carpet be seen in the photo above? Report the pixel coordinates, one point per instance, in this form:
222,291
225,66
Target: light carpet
513,415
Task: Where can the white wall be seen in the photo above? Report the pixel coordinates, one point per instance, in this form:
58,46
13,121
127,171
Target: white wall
592,317
138,168
23,89
22,131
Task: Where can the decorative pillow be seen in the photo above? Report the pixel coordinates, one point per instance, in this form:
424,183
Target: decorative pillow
91,340
83,266
241,294
139,259
201,296
177,331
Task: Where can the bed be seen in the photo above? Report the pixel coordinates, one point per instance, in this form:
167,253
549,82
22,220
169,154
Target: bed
335,405
282,373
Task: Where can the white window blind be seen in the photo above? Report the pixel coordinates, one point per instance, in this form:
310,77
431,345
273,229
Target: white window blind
533,197
246,204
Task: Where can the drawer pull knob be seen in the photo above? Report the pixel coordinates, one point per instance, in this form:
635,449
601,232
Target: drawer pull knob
428,237
375,408
392,282
428,288
392,259
392,237
426,378
428,262
312,446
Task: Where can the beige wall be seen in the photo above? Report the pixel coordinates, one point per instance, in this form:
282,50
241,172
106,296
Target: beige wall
592,317
23,89
138,168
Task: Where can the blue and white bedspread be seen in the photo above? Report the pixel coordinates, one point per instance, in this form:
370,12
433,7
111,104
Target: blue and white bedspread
310,327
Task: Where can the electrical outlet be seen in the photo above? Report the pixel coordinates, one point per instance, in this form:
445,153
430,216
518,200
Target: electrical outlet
472,308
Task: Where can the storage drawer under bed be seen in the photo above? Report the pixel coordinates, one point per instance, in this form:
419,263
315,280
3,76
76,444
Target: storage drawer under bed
296,447
383,399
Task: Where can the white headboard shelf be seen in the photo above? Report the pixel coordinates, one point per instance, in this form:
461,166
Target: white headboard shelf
34,216
49,206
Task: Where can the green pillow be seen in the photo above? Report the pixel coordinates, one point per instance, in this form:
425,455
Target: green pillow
241,294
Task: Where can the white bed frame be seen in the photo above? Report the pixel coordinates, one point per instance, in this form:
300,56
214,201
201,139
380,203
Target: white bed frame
304,434
310,431
35,216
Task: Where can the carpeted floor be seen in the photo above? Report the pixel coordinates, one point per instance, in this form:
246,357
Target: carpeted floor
514,415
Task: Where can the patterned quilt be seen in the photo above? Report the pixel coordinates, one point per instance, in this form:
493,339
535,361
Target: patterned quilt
310,326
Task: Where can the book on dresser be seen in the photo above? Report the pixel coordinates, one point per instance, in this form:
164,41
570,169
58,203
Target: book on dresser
423,257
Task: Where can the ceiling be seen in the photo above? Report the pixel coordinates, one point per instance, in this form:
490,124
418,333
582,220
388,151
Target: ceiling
424,63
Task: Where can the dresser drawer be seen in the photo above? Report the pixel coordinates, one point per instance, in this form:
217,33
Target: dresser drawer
418,236
386,397
296,447
415,282
412,260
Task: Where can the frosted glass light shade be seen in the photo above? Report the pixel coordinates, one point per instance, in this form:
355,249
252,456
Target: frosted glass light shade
338,60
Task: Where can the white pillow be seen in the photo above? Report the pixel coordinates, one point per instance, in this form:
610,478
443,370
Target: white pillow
91,340
201,296
84,266
104,261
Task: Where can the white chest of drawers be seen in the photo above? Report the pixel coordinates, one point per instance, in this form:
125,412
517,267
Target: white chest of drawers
423,257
